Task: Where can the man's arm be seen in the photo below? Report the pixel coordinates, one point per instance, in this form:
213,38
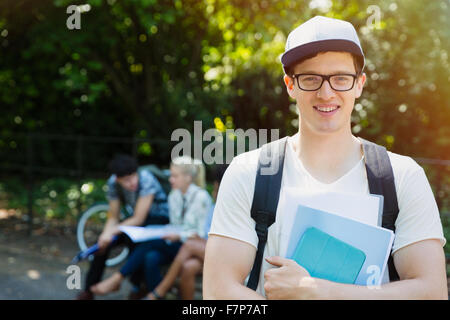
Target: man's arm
110,228
113,215
227,263
112,224
421,267
141,211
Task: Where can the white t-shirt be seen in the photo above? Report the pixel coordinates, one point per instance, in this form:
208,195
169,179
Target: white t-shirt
418,217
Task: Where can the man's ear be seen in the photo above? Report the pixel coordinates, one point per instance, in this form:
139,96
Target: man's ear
289,82
360,84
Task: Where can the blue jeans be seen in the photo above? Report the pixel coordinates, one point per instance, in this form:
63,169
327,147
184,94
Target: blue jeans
97,266
150,255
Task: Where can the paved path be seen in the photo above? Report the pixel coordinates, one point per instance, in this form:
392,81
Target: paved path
34,267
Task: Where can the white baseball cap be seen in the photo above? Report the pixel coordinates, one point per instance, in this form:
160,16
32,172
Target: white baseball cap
321,34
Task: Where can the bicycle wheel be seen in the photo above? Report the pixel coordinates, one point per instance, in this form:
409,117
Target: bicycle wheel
89,228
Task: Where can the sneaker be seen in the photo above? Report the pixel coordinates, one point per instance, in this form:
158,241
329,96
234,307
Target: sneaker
85,295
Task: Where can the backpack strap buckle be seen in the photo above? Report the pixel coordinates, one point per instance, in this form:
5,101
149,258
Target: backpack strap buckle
263,221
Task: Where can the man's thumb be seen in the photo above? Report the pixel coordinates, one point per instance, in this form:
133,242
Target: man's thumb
276,261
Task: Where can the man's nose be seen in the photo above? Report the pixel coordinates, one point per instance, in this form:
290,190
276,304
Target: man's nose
326,92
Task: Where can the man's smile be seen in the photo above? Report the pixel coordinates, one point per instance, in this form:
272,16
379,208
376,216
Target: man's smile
326,109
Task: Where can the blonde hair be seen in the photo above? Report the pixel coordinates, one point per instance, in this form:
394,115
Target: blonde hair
192,167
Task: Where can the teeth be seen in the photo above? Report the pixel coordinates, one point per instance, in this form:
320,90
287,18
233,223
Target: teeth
326,109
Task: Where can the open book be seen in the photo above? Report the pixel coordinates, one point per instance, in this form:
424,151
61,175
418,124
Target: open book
150,232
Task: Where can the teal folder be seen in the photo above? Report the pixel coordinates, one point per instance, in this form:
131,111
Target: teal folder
327,257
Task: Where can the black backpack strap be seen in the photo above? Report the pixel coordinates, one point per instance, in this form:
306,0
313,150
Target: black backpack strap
265,199
381,181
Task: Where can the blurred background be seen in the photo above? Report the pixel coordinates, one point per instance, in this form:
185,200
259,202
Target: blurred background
136,70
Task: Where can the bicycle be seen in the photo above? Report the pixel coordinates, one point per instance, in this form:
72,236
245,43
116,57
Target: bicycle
90,225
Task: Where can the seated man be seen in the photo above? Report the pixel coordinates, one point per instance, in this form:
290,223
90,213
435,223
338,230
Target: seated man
140,190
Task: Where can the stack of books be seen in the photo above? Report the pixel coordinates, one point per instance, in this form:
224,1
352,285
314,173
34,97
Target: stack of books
336,236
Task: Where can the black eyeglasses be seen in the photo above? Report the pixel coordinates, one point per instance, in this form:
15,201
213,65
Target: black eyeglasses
313,82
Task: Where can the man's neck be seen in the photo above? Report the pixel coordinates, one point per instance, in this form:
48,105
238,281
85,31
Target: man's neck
185,189
328,156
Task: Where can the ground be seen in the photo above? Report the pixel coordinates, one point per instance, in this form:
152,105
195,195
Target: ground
34,266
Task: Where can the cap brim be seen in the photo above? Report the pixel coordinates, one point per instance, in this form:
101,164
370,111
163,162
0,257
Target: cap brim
298,53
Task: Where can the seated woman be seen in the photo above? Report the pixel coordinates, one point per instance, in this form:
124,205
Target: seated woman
189,204
189,260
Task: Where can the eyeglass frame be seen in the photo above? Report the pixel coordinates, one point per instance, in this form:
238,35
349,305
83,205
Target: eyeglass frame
325,78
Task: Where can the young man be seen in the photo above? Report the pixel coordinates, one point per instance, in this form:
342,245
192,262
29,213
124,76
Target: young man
141,191
323,63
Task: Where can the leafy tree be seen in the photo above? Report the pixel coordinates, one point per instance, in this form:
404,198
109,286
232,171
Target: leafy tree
141,68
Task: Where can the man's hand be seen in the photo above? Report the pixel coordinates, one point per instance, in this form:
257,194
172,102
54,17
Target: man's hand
105,239
194,236
289,281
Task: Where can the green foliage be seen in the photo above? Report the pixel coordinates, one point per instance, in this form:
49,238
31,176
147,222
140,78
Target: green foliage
55,198
445,218
142,68
158,65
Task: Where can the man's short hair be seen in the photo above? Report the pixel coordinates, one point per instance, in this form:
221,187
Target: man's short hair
356,63
123,165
